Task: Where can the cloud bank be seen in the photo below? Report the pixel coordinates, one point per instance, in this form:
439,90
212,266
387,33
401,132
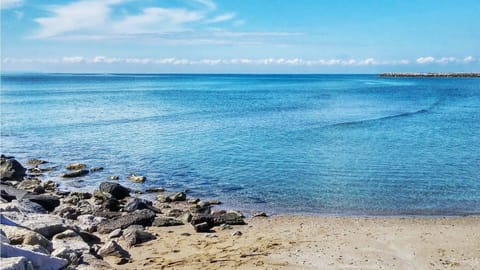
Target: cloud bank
239,61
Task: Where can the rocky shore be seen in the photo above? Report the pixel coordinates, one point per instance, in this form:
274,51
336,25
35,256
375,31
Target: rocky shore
43,227
432,75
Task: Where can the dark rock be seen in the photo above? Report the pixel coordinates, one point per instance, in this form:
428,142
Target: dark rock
11,192
27,206
166,222
135,234
111,204
49,185
11,169
89,238
75,166
259,214
230,218
179,196
96,169
114,177
35,162
200,218
202,227
139,204
49,202
154,190
116,190
142,217
73,174
7,197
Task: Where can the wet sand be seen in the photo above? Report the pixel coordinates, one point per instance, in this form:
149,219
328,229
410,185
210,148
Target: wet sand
312,242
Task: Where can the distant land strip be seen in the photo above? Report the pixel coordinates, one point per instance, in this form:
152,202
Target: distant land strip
432,74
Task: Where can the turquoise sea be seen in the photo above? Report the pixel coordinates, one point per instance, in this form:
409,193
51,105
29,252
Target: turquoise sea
311,144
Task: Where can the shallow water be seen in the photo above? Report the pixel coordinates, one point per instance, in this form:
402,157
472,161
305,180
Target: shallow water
319,144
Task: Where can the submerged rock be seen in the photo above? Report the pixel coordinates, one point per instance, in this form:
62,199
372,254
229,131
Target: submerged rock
154,190
11,169
73,174
35,162
75,166
137,178
96,169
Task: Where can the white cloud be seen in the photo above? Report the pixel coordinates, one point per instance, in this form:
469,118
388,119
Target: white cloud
156,20
207,3
446,60
222,18
425,60
87,15
71,60
469,59
100,19
7,4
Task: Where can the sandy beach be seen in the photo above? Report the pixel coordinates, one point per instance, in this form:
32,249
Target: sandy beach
314,242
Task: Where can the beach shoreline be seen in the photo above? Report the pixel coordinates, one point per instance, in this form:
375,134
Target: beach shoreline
315,242
113,228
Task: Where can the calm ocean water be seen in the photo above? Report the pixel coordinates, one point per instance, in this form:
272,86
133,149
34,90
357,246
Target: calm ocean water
320,144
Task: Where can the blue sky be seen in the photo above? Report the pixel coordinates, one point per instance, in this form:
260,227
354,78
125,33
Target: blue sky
240,36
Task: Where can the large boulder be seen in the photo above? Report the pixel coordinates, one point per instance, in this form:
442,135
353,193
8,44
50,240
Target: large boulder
38,260
115,189
70,246
44,224
20,236
142,217
49,202
16,263
230,218
11,169
26,207
10,193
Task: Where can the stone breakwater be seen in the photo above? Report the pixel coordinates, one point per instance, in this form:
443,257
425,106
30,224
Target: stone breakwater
43,227
434,75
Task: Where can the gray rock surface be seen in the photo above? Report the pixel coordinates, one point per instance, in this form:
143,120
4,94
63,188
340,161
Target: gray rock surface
38,260
142,217
16,263
136,234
